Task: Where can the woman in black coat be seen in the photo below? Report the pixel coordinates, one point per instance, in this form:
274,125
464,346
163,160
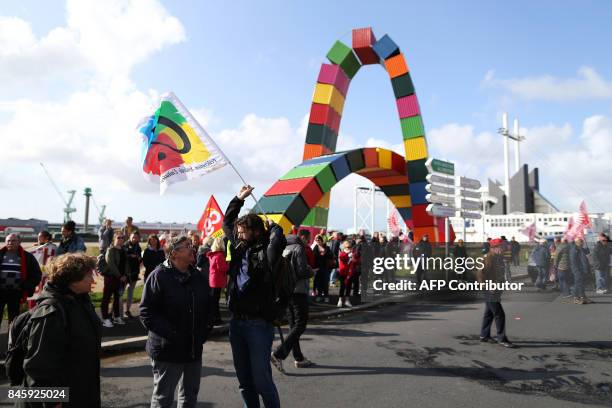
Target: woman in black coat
64,342
153,255
324,261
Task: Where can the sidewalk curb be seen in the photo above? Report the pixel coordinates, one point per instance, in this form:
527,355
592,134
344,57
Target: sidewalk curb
132,344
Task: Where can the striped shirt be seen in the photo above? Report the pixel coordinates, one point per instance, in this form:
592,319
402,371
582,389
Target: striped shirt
10,271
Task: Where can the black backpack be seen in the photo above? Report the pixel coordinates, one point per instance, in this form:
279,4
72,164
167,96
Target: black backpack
101,265
19,334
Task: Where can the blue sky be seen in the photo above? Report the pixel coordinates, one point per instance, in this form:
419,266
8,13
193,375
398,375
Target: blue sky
249,68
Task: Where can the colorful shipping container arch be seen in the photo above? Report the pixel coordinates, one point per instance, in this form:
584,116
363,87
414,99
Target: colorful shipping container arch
302,196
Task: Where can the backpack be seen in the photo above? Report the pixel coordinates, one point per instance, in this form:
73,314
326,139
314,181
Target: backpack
19,334
284,279
101,265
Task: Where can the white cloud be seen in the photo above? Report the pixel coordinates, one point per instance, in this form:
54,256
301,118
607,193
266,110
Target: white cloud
588,84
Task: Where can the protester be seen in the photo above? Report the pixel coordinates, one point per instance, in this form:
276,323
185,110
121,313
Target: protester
297,311
460,253
541,256
254,253
105,235
494,271
134,259
348,259
129,228
115,277
64,339
335,246
486,246
153,255
70,241
601,264
324,261
580,268
217,277
175,309
44,252
516,250
19,276
562,263
507,254
202,262
422,250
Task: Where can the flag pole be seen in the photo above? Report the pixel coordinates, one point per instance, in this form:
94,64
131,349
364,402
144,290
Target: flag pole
197,124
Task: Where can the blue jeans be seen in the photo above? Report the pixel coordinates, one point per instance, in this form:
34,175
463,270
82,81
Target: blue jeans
578,284
562,276
333,275
251,342
541,281
600,280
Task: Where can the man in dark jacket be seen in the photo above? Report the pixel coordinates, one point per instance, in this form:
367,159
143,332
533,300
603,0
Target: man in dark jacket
70,241
64,341
297,313
601,264
19,276
562,263
254,257
541,256
175,309
580,268
422,250
516,250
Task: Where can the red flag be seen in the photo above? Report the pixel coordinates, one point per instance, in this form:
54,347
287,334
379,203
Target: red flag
530,231
576,227
211,221
393,223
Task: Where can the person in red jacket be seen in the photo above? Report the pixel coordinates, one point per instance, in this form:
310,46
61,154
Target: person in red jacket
348,260
217,276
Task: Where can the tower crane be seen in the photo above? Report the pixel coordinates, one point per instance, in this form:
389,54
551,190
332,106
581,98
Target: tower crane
67,209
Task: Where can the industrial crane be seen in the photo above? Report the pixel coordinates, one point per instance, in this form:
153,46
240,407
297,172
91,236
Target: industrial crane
68,209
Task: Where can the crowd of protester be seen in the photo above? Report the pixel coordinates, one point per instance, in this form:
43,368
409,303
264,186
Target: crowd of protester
184,278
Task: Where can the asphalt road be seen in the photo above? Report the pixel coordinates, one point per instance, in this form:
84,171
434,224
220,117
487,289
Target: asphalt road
424,354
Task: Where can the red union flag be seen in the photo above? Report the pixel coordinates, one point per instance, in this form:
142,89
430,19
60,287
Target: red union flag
211,221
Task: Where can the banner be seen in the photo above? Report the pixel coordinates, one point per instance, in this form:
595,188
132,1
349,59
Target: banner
175,147
211,221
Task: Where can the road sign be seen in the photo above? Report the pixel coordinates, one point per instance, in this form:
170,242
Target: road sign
471,194
438,210
470,205
469,183
440,199
440,166
435,179
466,214
434,188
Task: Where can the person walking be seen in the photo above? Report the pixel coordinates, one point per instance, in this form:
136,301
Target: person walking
562,264
175,310
65,334
541,257
19,276
134,259
348,259
70,242
217,276
116,276
324,261
601,264
153,255
255,254
516,250
493,271
297,310
580,268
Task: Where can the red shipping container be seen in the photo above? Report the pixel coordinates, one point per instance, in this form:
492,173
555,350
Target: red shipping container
333,74
398,163
307,187
319,113
363,38
379,173
370,157
408,106
420,216
431,231
389,181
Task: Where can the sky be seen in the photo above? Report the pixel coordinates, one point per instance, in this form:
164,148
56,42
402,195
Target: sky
78,75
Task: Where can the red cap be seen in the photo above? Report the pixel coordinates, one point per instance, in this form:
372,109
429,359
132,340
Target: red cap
496,242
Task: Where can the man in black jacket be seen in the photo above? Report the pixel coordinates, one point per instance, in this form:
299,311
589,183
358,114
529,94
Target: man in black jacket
19,276
601,264
254,255
422,250
175,309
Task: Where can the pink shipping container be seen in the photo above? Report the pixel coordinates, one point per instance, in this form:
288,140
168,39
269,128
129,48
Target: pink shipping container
333,74
408,106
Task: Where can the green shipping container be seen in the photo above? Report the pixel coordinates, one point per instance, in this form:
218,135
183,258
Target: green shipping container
416,170
343,55
412,127
402,86
304,171
326,179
